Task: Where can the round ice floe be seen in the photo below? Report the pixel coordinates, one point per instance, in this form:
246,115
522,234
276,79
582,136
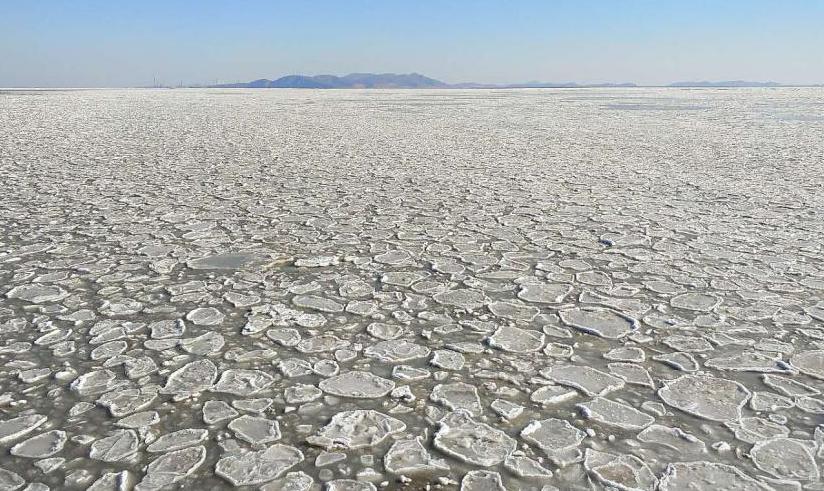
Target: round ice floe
705,396
123,307
447,266
326,368
664,287
94,382
355,288
557,438
117,446
295,367
41,446
410,457
255,430
37,293
240,300
403,278
172,467
205,344
108,350
594,278
631,373
53,336
786,458
315,302
513,309
301,393
284,336
246,469
384,331
627,354
178,439
121,402
689,344
549,293
700,302
136,368
242,382
516,340
615,414
217,411
356,429
257,406
356,384
205,316
395,257
191,379
447,359
599,321
469,441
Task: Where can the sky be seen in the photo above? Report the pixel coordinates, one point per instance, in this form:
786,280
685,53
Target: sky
114,43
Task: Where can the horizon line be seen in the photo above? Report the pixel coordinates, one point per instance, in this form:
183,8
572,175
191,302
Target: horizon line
606,85
456,86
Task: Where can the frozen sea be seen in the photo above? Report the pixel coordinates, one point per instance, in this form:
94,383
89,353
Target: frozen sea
348,290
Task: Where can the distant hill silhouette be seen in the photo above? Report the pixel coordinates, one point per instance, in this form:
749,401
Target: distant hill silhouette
351,81
390,81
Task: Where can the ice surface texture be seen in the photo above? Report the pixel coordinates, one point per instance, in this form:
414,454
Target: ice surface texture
504,289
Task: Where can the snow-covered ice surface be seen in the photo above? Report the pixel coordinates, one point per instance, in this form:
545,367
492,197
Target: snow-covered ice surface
527,289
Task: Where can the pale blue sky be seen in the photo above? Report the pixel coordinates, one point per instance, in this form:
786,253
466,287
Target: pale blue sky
125,43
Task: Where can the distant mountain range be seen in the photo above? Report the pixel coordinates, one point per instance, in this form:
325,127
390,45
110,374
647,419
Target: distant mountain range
351,81
387,81
418,81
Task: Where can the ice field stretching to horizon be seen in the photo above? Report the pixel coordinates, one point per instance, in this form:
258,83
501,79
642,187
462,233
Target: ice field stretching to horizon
437,289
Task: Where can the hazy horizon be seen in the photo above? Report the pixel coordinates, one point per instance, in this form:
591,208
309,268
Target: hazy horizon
97,44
